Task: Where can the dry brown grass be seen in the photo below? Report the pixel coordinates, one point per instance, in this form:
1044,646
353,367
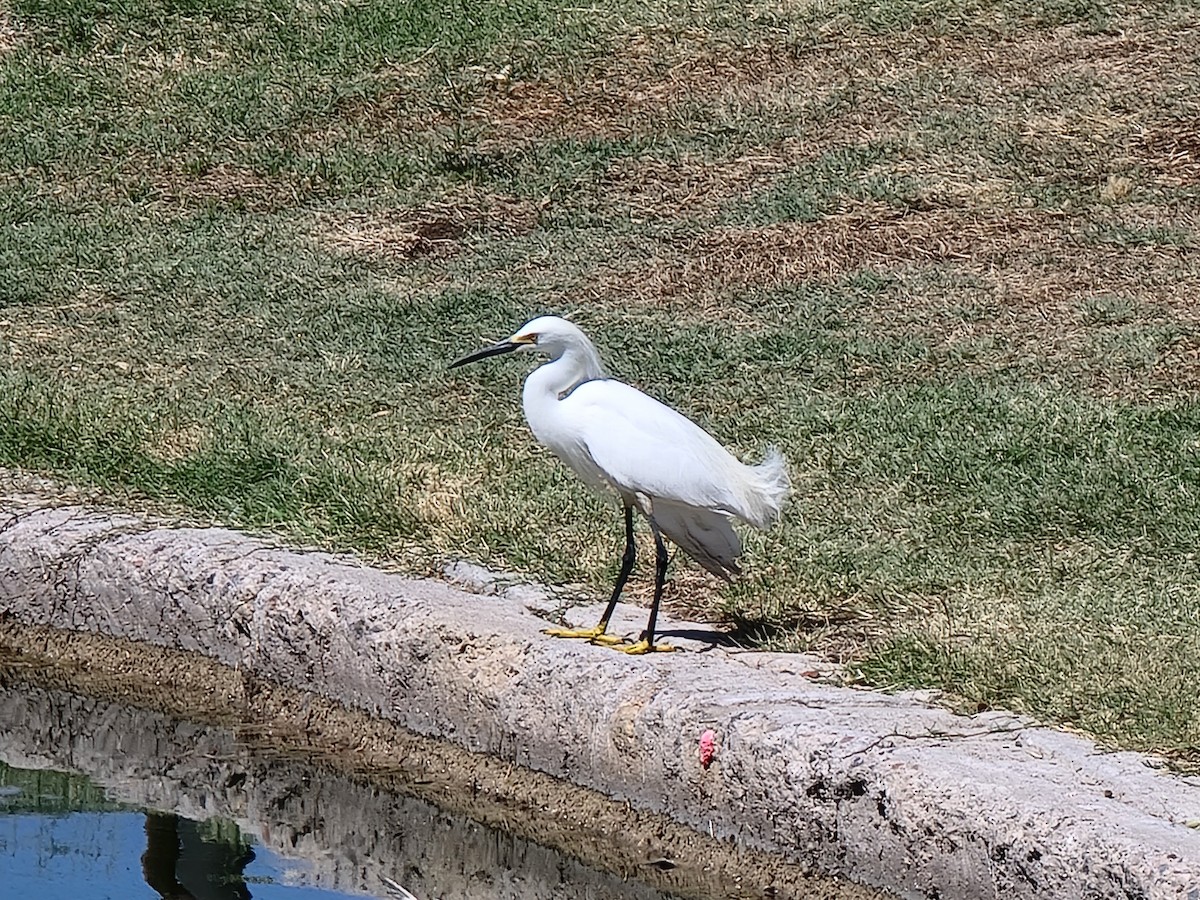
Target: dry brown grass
178,443
10,34
647,82
869,237
222,183
1017,281
1170,152
173,188
690,187
437,229
650,85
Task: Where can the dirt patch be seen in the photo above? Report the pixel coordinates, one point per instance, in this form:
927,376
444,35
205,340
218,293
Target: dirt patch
436,230
602,832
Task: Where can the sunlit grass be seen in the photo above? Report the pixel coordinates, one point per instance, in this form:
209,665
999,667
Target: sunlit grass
944,255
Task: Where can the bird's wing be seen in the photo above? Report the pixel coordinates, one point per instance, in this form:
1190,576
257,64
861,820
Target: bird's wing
396,890
643,446
706,537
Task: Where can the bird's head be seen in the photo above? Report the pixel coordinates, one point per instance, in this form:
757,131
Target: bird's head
549,336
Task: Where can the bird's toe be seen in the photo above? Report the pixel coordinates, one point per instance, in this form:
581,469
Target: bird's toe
643,646
595,633
608,640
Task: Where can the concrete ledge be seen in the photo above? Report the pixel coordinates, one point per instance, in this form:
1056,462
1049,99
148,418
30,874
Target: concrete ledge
177,732
349,840
882,789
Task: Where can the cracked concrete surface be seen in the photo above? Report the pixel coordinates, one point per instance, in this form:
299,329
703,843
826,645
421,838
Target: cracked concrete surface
883,789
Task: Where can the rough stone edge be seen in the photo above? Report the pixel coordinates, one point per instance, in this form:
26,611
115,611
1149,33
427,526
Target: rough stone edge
122,692
881,789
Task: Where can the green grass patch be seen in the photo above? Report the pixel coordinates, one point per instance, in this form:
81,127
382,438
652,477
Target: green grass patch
942,254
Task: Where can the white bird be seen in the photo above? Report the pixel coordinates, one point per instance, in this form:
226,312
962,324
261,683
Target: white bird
396,890
613,436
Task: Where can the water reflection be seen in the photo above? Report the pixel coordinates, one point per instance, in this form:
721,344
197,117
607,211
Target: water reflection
190,812
186,860
60,833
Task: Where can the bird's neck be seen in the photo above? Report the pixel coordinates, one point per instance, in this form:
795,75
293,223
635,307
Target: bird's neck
549,383
558,377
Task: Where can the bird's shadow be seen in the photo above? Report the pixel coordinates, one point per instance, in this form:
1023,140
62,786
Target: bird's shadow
746,634
711,637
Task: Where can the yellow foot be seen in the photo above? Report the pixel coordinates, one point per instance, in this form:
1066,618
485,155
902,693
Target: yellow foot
644,646
596,634
608,640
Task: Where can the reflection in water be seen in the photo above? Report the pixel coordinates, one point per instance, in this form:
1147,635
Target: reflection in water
181,804
59,832
187,860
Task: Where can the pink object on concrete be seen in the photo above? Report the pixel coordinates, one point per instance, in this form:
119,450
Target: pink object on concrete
708,747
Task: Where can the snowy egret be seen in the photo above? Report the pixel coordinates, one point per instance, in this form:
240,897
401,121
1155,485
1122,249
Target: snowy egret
673,471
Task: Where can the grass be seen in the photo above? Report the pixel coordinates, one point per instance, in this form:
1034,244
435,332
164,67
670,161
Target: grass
945,254
51,793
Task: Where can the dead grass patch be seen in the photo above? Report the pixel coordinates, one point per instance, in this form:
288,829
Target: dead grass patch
871,236
660,81
1170,151
647,84
10,33
173,187
1006,288
405,110
179,443
436,230
652,189
1119,59
530,110
224,183
1031,310
439,500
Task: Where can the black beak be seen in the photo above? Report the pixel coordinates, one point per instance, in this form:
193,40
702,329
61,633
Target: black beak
494,350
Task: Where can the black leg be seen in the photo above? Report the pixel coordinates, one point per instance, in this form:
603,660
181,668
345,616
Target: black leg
627,560
660,575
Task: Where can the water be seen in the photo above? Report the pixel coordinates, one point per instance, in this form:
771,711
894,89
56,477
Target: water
100,800
58,843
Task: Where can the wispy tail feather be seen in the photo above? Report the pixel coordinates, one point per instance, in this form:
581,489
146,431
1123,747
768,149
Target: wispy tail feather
767,489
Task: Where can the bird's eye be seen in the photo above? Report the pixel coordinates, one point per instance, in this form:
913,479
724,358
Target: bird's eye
531,338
